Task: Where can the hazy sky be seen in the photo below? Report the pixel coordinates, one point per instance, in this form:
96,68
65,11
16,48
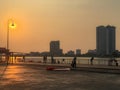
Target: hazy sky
73,22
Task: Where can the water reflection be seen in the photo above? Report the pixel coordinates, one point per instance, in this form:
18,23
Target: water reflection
37,78
19,74
11,74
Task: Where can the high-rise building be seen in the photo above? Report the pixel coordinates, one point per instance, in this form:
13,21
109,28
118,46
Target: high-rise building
78,51
105,40
55,48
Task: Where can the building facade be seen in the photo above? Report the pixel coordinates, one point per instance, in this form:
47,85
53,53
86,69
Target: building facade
78,52
55,48
70,53
105,40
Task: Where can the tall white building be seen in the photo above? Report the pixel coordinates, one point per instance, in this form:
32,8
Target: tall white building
105,40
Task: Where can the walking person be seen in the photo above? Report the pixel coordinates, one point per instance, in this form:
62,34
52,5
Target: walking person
91,60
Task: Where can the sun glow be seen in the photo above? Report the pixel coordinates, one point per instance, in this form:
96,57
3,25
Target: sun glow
12,25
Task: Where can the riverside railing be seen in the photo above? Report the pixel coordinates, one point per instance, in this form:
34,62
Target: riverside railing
68,60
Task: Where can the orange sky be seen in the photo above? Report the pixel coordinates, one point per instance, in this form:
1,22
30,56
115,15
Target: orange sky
73,22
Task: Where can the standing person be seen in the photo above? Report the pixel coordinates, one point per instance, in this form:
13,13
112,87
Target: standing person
23,58
44,59
74,63
91,60
74,60
116,62
63,60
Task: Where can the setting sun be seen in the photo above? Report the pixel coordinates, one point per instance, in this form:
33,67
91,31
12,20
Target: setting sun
70,21
12,25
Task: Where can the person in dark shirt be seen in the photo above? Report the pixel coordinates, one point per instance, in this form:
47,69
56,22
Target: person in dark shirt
91,60
74,63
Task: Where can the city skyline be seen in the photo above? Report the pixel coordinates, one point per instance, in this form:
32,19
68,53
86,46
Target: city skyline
72,22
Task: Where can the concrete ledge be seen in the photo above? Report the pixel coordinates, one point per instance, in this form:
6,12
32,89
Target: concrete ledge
86,68
98,70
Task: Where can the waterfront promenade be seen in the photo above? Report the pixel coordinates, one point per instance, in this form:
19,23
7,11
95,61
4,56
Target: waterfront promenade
84,67
34,76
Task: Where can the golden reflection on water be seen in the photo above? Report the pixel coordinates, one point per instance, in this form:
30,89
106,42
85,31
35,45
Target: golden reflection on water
13,73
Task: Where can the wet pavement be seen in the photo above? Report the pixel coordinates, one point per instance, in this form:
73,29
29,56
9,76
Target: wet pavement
36,77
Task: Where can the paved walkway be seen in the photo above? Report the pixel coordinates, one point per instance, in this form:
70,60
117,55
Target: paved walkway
78,65
33,76
81,67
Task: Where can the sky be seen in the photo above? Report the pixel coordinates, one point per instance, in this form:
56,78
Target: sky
72,22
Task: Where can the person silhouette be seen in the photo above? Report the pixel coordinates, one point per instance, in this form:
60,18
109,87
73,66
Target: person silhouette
91,60
73,63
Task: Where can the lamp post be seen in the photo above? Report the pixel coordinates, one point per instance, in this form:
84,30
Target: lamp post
10,24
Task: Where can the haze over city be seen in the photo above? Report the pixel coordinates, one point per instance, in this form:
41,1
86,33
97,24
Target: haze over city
73,22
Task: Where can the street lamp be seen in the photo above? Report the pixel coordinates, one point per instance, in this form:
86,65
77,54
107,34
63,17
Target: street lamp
11,25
